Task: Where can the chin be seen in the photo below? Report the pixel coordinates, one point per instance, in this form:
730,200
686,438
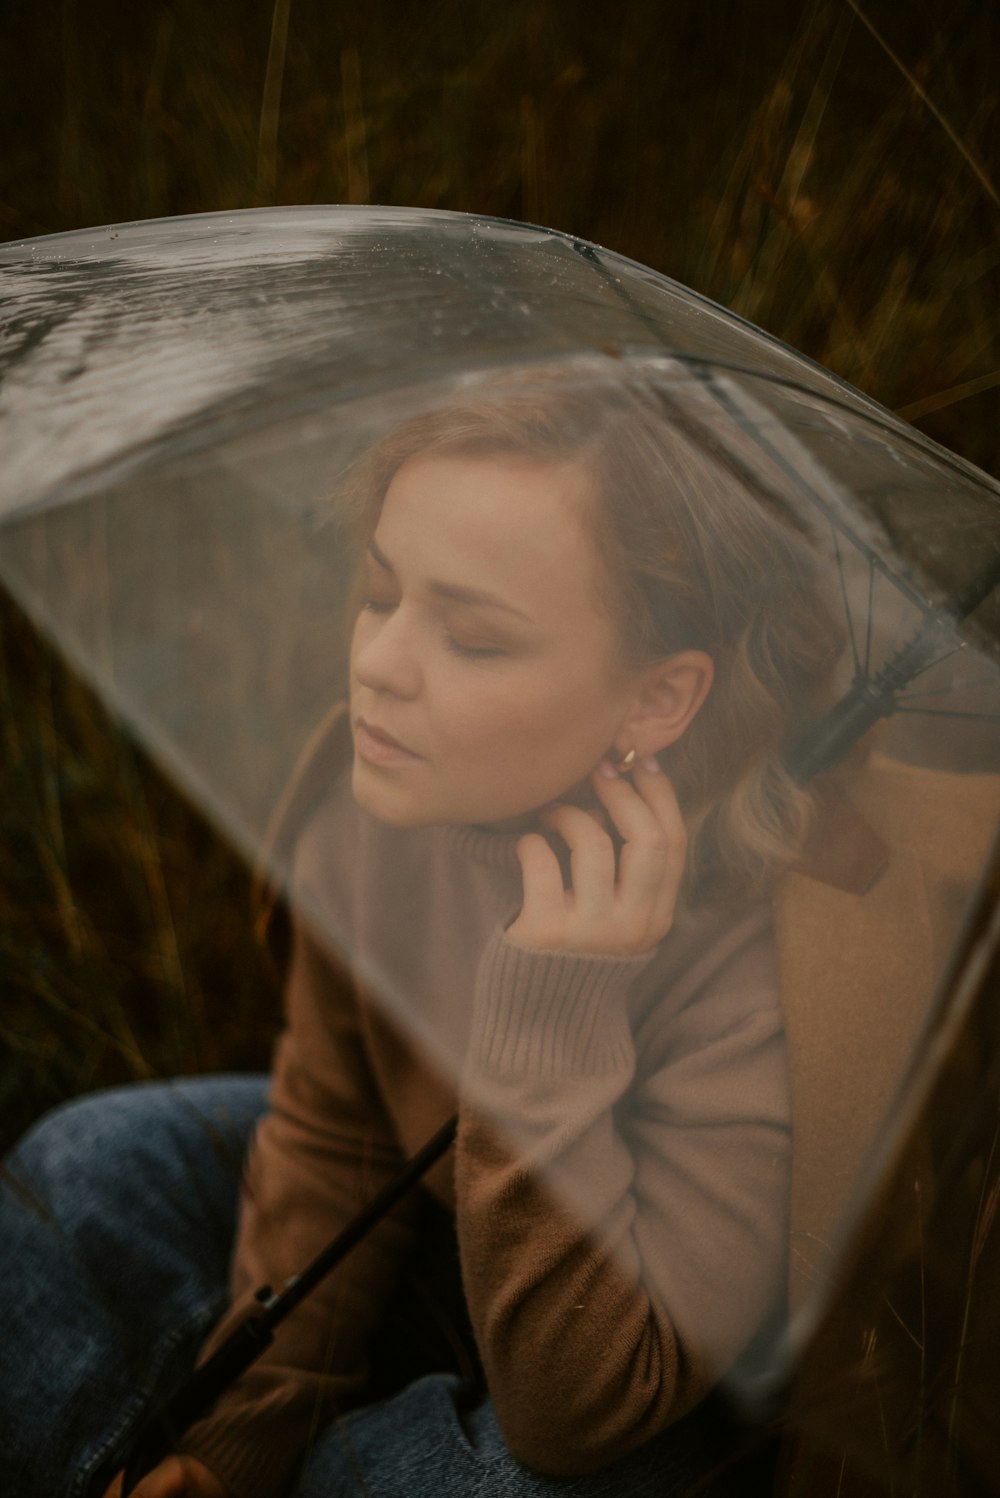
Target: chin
391,797
386,803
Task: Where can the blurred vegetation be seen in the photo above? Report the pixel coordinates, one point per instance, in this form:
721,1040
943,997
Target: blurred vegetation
126,946
827,168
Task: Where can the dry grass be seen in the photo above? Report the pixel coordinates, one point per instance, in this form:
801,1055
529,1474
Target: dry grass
126,948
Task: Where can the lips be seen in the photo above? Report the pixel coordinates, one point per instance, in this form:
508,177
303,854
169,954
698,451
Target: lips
379,747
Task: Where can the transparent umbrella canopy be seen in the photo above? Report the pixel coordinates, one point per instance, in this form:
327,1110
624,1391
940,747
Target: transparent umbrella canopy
195,415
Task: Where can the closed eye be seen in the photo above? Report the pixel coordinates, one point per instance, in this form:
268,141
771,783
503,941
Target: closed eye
369,605
472,652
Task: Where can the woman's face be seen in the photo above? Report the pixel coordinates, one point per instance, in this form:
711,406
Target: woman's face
486,677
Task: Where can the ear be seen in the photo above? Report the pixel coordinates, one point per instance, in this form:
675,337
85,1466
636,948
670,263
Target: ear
669,694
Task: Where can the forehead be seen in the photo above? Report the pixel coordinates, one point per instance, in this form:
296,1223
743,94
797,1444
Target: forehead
517,526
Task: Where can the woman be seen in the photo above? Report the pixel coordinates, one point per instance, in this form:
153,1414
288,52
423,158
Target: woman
584,634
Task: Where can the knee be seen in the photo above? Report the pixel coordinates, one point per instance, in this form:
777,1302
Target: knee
170,1142
145,1121
81,1141
122,1140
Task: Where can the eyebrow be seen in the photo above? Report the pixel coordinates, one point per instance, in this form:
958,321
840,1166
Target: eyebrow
453,591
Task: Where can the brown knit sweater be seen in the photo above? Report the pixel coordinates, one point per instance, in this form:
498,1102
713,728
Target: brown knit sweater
621,1176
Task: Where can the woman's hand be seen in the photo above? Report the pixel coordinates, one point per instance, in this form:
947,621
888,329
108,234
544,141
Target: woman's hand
175,1477
605,911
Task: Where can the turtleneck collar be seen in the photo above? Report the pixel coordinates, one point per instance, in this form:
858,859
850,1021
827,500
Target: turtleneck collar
485,845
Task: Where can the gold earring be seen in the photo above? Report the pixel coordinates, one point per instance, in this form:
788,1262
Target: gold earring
624,765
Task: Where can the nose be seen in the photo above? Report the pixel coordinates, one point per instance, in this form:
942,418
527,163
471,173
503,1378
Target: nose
384,654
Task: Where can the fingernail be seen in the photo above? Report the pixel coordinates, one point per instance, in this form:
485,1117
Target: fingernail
607,770
651,763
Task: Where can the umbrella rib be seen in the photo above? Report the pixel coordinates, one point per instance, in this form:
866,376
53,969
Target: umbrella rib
944,712
974,684
944,656
871,611
847,605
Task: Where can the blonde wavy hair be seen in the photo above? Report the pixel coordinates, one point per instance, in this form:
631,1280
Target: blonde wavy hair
702,548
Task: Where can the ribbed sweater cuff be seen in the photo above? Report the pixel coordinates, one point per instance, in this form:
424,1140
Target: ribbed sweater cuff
248,1467
550,1013
255,1447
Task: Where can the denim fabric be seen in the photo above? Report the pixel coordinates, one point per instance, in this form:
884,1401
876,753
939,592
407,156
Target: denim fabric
440,1438
116,1223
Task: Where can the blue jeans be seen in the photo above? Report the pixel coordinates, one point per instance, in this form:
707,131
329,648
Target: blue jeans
117,1214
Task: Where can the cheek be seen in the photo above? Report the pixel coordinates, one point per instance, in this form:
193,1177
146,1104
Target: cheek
530,719
487,715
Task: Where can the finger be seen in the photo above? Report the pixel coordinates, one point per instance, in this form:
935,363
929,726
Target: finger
648,817
167,1480
653,854
591,861
644,805
658,792
649,883
201,1483
114,1491
662,799
543,905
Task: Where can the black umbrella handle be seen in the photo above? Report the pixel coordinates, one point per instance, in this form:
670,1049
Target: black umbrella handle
198,1394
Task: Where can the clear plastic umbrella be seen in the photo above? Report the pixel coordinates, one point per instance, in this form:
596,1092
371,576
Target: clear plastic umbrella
527,447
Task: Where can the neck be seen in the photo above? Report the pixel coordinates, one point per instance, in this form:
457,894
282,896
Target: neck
582,795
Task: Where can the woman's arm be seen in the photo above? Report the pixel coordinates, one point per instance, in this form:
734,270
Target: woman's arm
622,1235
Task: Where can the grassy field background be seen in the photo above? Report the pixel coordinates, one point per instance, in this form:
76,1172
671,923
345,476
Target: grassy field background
828,169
